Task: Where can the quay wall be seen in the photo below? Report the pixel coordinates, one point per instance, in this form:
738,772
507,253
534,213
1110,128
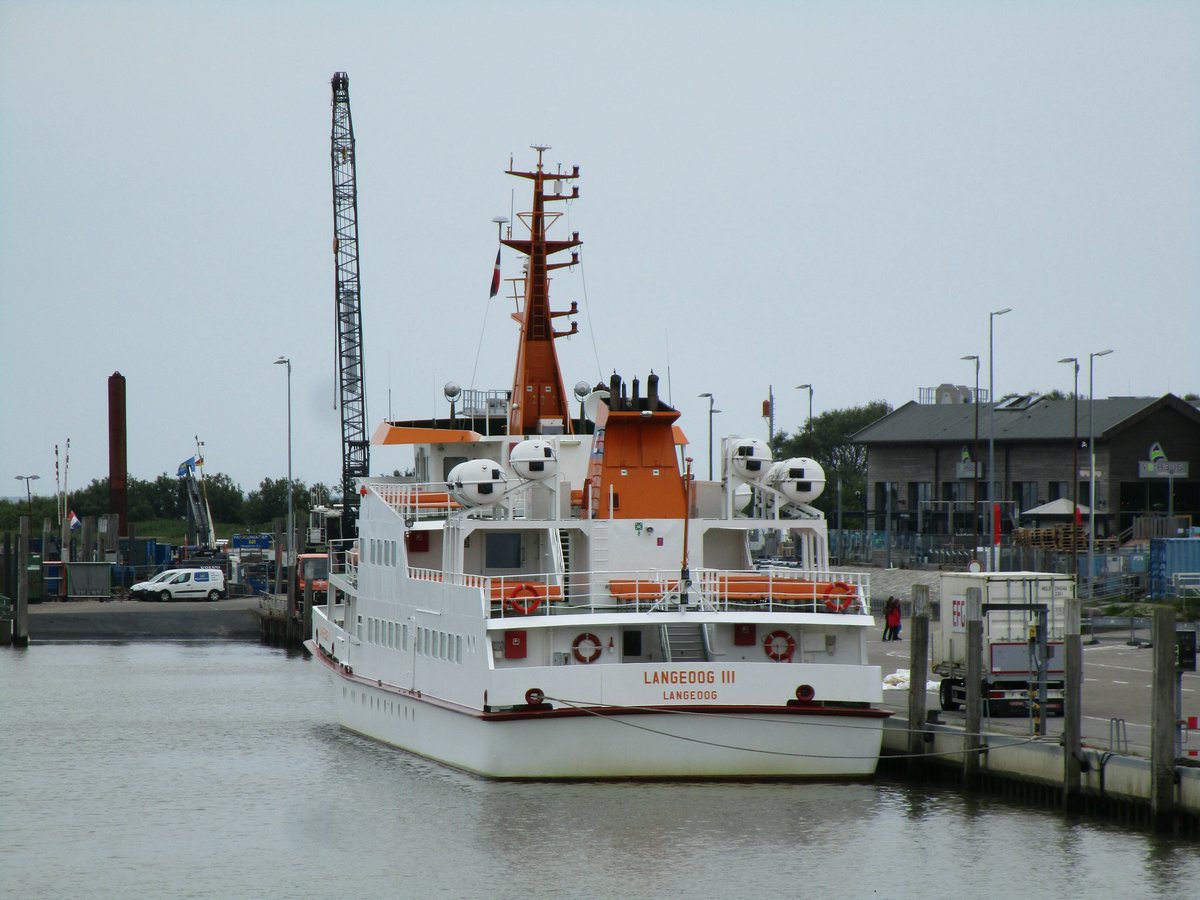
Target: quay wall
1112,781
131,620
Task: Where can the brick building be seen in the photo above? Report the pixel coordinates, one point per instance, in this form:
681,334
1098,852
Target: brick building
1147,460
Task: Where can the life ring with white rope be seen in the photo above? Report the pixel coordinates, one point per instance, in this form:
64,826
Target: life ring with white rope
779,646
578,647
523,599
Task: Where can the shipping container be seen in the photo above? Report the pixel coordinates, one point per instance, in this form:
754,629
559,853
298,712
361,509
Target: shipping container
1170,557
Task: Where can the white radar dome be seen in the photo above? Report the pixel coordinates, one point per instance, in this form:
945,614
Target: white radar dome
533,460
801,480
750,459
477,482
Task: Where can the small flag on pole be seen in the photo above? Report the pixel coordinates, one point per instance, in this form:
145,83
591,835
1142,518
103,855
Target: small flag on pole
74,520
495,276
186,466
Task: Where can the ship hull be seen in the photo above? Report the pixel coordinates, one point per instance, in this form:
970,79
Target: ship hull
614,743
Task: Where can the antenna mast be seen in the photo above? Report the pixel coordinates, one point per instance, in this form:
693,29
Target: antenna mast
539,404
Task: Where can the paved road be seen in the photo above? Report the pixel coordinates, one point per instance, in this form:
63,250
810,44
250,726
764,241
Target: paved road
1116,684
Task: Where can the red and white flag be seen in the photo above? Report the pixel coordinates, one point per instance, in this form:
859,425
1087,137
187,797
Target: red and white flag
495,276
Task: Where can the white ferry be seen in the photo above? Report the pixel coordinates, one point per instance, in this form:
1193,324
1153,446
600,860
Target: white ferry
555,596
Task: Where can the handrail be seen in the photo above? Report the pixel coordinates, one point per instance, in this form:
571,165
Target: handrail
526,594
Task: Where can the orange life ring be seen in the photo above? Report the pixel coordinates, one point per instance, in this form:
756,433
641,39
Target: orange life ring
586,638
523,599
777,651
839,606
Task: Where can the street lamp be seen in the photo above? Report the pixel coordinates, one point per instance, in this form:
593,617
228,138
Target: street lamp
291,585
28,493
1092,470
809,388
992,564
711,400
1074,360
974,466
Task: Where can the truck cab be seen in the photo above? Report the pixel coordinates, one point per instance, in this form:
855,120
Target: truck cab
314,568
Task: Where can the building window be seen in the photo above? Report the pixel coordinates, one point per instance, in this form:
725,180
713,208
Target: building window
1058,490
1025,494
919,492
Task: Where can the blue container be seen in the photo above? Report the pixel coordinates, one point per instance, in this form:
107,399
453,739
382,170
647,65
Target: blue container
1168,557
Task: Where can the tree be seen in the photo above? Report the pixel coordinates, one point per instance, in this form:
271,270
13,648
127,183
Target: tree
269,501
827,439
225,498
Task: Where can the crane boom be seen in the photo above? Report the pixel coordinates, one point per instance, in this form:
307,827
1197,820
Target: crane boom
355,442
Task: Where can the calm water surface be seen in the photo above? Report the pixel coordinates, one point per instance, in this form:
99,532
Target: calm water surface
212,770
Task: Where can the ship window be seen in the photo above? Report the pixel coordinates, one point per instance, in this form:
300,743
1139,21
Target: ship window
502,550
360,628
404,636
442,645
391,634
631,643
458,648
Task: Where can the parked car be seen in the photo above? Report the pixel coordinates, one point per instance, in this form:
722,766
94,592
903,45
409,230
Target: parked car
185,584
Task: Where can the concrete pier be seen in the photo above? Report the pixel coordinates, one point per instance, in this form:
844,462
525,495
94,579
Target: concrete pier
1031,769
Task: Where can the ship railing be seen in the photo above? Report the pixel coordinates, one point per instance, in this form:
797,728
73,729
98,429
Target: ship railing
343,560
416,501
652,590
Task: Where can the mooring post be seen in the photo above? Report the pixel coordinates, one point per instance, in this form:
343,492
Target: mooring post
1073,708
306,618
278,554
1162,720
21,614
972,740
918,673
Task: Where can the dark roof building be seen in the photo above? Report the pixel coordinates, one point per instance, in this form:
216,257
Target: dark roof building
1147,460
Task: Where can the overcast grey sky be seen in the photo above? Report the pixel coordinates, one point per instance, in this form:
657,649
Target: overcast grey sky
772,193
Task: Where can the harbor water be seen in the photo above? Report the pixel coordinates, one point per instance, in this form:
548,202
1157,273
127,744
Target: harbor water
214,770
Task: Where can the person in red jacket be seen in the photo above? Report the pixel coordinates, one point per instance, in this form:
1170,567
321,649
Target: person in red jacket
891,620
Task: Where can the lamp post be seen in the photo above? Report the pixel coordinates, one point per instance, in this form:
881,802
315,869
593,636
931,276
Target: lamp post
291,585
992,563
974,467
1074,360
1092,469
710,426
28,493
808,423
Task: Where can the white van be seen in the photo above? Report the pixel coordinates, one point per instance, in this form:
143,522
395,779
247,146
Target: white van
183,584
148,589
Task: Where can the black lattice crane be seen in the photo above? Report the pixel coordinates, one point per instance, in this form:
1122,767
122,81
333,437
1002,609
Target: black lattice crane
355,442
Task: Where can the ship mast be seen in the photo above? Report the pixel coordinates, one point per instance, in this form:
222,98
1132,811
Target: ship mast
539,404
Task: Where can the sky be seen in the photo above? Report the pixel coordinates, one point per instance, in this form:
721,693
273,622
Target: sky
771,194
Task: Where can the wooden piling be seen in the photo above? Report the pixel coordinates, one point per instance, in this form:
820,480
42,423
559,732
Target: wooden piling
21,612
306,617
1073,709
918,673
1162,720
974,712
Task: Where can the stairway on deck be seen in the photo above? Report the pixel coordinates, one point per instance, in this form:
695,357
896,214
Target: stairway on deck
683,642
